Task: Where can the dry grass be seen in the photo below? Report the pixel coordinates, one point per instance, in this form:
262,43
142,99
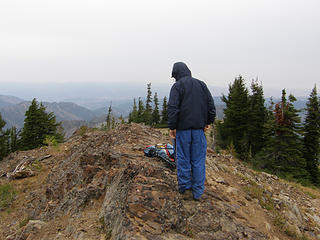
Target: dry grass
312,192
7,194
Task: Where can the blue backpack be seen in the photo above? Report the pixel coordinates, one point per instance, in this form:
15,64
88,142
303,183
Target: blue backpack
166,152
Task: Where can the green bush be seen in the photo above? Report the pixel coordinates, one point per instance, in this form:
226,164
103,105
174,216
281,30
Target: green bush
51,141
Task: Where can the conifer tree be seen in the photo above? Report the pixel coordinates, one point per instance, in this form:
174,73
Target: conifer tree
109,117
311,140
233,129
121,119
13,137
4,151
164,112
130,117
133,116
113,123
147,118
282,154
264,159
140,113
257,117
155,113
37,125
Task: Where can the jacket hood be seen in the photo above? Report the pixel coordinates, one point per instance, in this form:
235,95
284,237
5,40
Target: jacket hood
180,70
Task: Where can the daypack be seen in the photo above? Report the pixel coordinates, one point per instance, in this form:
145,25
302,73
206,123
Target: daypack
164,151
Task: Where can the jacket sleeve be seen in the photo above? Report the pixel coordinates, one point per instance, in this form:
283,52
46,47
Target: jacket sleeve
211,108
173,107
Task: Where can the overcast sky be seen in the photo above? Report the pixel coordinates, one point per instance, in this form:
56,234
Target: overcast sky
60,41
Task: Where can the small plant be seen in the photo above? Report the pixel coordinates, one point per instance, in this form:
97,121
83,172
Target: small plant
7,194
231,149
36,165
82,130
51,141
24,222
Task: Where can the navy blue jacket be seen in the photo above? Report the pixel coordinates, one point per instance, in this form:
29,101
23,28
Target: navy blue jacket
190,105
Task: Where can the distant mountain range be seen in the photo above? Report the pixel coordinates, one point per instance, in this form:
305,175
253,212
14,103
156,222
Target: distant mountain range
9,100
72,115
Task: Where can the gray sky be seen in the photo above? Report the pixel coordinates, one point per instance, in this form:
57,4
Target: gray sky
139,40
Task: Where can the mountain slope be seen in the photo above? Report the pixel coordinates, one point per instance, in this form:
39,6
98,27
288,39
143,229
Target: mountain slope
9,100
14,114
99,185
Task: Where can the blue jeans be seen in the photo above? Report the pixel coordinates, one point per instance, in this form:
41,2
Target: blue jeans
191,146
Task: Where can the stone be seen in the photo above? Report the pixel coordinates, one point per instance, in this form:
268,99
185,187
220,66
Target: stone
268,226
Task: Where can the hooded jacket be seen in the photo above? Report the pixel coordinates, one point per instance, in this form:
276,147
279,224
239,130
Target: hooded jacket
190,105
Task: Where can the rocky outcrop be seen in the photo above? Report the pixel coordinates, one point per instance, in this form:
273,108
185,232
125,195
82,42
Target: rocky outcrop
99,185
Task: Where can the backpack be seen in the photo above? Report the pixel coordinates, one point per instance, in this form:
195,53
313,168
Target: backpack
166,152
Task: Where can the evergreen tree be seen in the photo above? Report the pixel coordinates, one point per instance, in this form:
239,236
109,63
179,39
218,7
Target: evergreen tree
164,112
155,113
147,118
265,158
311,138
282,154
133,116
109,117
13,138
130,117
140,113
233,129
257,118
121,119
113,123
37,125
4,150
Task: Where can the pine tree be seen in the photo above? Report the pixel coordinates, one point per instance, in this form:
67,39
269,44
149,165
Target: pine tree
233,129
113,123
164,112
4,150
109,117
147,118
282,154
155,113
13,138
140,112
130,117
265,158
37,125
257,118
311,140
121,119
134,113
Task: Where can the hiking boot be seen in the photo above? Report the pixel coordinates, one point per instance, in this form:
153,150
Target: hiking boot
201,198
187,194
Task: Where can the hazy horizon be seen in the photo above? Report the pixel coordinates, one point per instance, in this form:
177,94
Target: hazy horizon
112,91
82,41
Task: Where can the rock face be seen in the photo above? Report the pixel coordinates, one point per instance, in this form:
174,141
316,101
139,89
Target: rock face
99,185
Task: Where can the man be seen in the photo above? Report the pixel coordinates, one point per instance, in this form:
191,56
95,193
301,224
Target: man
190,111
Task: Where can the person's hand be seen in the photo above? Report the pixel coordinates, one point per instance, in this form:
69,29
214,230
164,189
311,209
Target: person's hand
172,133
207,127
